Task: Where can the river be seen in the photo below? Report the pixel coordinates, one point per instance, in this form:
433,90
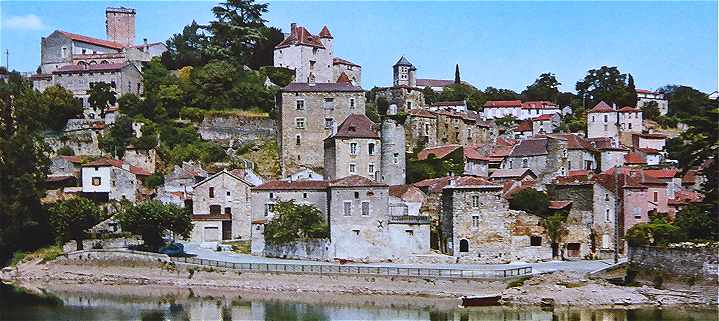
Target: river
152,303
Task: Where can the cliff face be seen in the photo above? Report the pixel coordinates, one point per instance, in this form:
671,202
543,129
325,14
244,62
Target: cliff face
234,130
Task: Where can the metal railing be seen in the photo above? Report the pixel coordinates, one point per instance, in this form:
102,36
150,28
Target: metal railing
409,219
361,269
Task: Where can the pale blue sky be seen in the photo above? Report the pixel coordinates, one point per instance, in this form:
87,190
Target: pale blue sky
500,44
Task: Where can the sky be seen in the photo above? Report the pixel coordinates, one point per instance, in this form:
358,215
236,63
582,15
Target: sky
498,44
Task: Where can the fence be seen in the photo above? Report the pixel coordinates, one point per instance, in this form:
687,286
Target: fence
361,269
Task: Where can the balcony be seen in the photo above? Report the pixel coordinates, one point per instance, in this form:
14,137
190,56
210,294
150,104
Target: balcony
409,219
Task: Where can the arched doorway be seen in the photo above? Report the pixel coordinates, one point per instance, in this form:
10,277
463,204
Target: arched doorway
463,246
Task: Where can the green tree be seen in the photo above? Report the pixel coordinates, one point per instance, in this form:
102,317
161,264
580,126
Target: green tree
237,30
101,96
131,105
151,220
23,168
631,97
685,101
171,98
382,105
430,96
606,84
546,87
531,201
263,52
650,111
118,137
555,226
292,222
491,93
506,121
65,151
187,48
457,78
697,223
61,106
72,218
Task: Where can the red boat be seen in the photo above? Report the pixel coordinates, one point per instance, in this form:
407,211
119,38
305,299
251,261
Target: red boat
478,301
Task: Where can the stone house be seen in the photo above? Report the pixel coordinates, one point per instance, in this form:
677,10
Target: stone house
65,166
653,140
652,156
305,174
475,164
422,129
221,208
646,96
494,109
143,158
405,200
461,128
478,226
630,120
437,85
534,109
517,174
404,93
312,57
309,113
112,180
523,130
602,121
355,149
177,188
576,197
545,124
634,159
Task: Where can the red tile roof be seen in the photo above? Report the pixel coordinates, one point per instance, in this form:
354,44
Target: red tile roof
644,91
634,158
574,141
685,197
525,126
343,78
357,126
558,205
628,109
530,147
321,87
301,37
325,33
92,41
665,173
470,181
340,61
103,162
438,152
539,105
651,136
407,192
543,117
434,83
72,159
503,103
355,181
419,112
690,177
512,173
89,68
472,152
601,142
601,107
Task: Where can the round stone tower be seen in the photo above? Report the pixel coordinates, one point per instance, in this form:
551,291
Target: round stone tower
393,167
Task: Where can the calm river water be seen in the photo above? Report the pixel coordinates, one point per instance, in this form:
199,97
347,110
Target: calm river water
154,303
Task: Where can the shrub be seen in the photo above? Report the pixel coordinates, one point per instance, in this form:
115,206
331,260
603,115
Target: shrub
65,151
293,222
531,201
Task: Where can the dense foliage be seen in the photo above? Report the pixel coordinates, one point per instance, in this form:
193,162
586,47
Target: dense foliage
607,84
432,167
152,219
293,222
531,201
72,217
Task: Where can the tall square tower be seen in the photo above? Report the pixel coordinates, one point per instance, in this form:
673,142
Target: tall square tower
120,25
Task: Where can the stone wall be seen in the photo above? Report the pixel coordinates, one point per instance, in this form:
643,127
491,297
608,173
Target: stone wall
237,129
702,262
114,257
116,243
302,250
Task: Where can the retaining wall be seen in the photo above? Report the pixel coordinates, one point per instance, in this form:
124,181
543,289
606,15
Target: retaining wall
702,262
114,256
237,129
304,250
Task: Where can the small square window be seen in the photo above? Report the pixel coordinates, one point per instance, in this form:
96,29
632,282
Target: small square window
304,195
353,168
365,208
96,181
356,195
300,105
347,208
535,240
356,232
409,232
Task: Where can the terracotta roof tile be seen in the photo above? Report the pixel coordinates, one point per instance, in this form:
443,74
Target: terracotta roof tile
525,126
325,33
355,181
343,78
438,152
102,162
543,117
558,205
503,103
601,107
419,112
92,41
539,105
574,141
434,83
301,37
89,68
665,173
628,109
470,181
530,147
292,185
340,61
357,126
634,158
511,173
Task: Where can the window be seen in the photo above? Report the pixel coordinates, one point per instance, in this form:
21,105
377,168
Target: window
329,103
569,165
629,125
356,195
269,208
356,232
272,195
592,118
370,148
228,193
606,127
395,158
347,209
212,192
370,168
563,171
409,105
300,104
228,210
426,129
353,148
605,241
312,63
365,208
656,196
353,168
475,221
96,181
464,246
215,209
63,52
535,240
298,139
475,200
637,213
409,232
606,118
606,216
525,163
352,103
329,123
300,123
606,197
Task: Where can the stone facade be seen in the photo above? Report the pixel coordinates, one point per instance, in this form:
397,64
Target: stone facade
120,25
237,130
477,226
605,220
354,150
693,262
647,96
142,158
630,120
602,121
110,183
404,73
403,97
421,129
124,78
309,113
393,162
221,208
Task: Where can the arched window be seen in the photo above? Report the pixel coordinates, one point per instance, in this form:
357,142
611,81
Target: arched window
464,246
104,62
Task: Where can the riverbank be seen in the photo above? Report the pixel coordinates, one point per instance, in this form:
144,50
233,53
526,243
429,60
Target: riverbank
562,289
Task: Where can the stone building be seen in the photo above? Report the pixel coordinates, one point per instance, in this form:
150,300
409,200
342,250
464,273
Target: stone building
534,109
630,120
404,93
313,59
221,208
309,112
112,180
545,124
142,158
421,130
576,198
652,140
394,150
462,128
456,106
355,149
404,73
177,188
120,25
478,226
646,96
602,121
494,109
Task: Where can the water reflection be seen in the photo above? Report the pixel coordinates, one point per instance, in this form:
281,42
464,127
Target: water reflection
153,304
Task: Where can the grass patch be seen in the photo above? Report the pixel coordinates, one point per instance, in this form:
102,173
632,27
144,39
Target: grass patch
46,254
241,247
265,155
518,282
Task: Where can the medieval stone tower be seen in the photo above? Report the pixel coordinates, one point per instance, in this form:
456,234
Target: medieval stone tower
393,167
405,74
120,25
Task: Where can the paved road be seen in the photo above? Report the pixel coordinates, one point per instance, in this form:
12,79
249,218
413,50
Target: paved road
583,266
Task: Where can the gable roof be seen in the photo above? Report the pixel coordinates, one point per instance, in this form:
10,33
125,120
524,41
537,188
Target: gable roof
471,182
503,103
292,185
574,141
419,112
340,61
542,104
601,107
92,41
107,162
344,79
357,126
511,173
543,117
628,109
407,192
211,177
525,126
299,36
355,181
438,152
434,82
321,87
325,33
634,158
530,147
